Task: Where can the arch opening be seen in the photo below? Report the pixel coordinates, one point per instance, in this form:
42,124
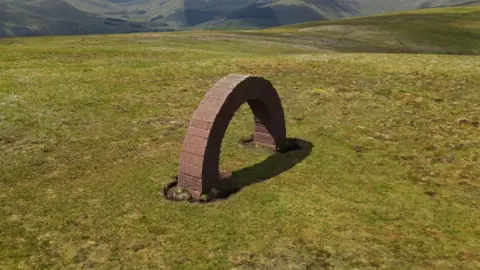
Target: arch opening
237,147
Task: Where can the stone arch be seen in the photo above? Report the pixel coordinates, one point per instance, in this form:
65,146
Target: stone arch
199,159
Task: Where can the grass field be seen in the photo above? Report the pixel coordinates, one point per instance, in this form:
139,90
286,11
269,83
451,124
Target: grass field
91,129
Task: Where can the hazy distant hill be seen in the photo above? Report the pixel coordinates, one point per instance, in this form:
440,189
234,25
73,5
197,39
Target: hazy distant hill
43,17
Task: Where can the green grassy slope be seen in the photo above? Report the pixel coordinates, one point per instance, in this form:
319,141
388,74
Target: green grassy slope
439,30
91,129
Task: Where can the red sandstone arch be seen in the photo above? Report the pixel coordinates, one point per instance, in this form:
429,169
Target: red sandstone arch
199,159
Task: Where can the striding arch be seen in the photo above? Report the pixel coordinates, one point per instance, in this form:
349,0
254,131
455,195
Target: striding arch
199,159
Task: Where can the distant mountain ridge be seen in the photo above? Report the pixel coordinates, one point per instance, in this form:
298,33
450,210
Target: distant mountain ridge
64,17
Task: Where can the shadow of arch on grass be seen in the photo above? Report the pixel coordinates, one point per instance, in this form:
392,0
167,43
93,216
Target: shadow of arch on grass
272,166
